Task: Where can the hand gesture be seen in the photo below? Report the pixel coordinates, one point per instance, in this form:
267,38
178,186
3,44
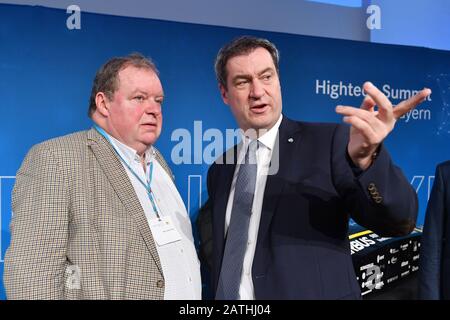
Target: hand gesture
369,127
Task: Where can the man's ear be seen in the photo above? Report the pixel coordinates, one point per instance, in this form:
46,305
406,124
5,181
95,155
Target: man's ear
102,103
223,93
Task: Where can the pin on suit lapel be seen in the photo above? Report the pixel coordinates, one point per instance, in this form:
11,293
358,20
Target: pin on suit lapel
118,178
285,146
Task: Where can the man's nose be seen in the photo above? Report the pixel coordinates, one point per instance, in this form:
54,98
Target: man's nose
153,107
257,89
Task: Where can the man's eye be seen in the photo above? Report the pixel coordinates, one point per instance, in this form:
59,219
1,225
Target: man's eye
241,83
139,98
267,77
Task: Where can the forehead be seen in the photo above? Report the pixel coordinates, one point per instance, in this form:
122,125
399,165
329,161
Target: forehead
138,78
250,63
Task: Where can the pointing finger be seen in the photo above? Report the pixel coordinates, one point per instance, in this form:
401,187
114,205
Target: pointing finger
409,104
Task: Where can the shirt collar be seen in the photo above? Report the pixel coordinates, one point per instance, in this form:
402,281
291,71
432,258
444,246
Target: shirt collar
129,154
268,138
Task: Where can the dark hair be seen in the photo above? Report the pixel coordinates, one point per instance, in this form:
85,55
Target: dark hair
107,80
240,46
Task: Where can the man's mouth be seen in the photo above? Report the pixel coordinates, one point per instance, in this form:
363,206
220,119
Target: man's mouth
259,108
149,125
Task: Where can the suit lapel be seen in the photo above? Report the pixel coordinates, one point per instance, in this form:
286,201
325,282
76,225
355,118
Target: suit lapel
117,176
284,153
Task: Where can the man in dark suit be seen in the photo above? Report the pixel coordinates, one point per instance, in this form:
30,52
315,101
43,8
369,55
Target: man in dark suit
280,201
434,271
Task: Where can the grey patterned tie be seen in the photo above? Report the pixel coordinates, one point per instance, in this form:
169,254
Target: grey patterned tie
237,235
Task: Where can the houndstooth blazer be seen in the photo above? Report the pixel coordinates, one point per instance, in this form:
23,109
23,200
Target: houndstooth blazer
78,230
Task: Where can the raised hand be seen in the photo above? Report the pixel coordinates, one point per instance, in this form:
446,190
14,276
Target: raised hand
369,127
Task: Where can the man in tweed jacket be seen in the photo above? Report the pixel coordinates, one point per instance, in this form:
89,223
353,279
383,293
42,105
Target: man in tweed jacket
81,227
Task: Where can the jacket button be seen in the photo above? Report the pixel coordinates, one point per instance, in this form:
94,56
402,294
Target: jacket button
160,284
371,186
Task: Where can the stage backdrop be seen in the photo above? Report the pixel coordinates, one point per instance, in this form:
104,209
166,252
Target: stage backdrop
46,72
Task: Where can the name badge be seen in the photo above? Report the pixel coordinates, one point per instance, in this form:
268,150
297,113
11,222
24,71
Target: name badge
164,231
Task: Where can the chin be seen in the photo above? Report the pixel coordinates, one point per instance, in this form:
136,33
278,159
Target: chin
150,140
263,125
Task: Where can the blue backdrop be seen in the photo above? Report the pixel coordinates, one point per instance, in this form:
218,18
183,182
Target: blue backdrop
46,73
